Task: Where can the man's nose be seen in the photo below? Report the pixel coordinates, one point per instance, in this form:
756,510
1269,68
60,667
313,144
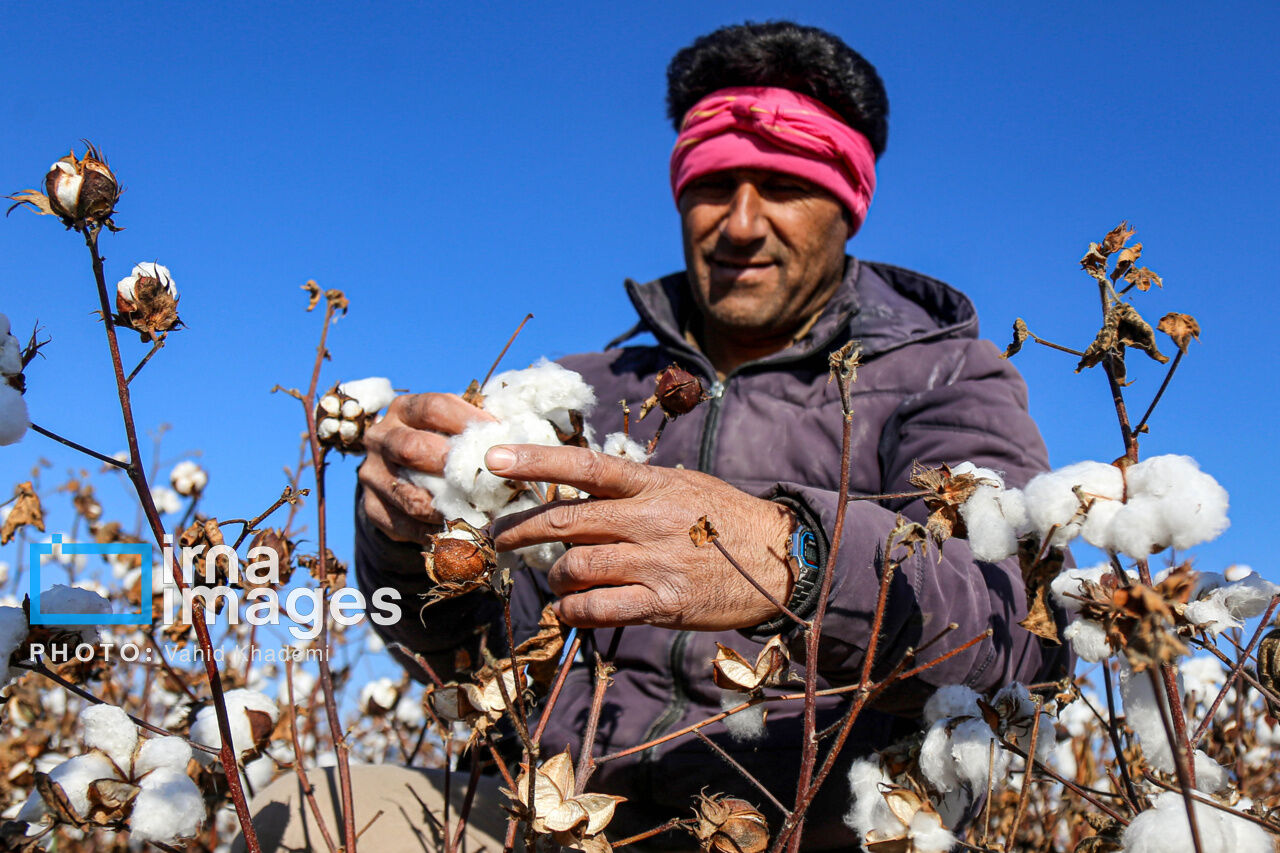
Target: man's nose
745,222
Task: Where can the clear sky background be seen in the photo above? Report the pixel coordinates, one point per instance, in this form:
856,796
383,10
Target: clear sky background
453,166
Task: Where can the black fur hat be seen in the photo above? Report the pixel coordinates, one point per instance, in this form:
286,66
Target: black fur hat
789,56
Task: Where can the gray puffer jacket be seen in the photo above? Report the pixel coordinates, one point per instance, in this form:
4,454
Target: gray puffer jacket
928,391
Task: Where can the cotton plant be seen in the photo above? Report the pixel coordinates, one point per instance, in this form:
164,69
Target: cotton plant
14,418
122,781
544,405
962,753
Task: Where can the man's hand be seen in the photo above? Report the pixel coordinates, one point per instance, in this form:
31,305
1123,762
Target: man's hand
633,561
414,434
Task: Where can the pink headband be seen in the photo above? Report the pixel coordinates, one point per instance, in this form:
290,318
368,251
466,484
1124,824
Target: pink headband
758,127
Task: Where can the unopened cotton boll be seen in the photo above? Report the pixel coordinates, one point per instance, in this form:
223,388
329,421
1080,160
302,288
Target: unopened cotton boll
14,419
168,807
623,446
372,394
108,728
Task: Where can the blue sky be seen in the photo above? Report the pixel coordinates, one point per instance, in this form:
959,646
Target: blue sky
453,166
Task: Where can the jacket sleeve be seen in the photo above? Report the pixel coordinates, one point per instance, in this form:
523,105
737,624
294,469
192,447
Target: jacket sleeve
978,414
439,631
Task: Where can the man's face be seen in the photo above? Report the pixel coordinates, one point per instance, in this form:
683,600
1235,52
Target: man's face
764,250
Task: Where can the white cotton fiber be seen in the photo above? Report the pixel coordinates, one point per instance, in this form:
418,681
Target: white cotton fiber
952,700
168,807
1164,829
14,419
1193,504
74,776
928,835
1142,713
109,729
936,761
13,630
621,445
171,752
1070,583
1220,605
372,394
977,752
745,726
1051,500
992,537
465,468
543,555
1089,640
69,599
869,812
546,390
205,728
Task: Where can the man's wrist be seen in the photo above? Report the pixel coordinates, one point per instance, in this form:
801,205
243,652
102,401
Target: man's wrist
805,552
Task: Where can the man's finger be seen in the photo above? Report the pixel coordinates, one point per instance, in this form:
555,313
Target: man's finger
415,448
587,566
578,522
607,607
595,473
446,413
395,524
395,492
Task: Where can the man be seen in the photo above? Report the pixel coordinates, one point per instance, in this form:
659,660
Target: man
773,170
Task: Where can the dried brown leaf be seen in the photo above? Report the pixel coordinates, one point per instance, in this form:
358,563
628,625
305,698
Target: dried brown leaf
1037,574
702,533
1181,327
26,511
313,294
1142,278
1116,238
1020,335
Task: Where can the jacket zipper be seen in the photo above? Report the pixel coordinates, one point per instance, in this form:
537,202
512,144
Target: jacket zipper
679,646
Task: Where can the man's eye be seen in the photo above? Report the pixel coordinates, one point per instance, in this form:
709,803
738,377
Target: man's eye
782,185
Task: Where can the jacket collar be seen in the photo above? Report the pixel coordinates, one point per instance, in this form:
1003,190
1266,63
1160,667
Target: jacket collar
883,306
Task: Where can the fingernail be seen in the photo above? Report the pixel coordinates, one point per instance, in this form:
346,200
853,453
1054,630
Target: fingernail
499,459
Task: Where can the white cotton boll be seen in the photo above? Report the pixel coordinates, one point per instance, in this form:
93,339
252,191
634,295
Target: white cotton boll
869,812
166,500
1098,528
109,729
991,536
1210,775
952,700
10,354
347,430
327,428
168,807
72,599
1202,676
1164,829
170,752
330,405
409,711
125,287
351,410
928,835
622,445
13,631
545,389
977,753
1142,713
992,478
1089,640
74,776
1248,597
465,466
14,419
188,478
378,696
205,728
373,394
1139,528
936,761
1051,500
1211,615
259,773
1193,504
745,726
448,500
